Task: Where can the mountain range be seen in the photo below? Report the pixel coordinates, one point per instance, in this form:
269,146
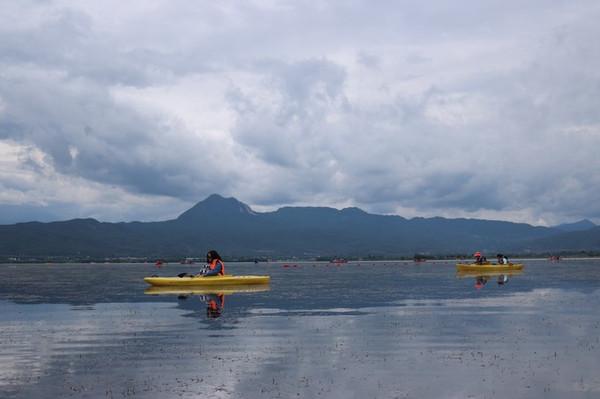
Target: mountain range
235,230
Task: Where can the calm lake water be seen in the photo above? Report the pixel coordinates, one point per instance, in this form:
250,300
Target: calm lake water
361,330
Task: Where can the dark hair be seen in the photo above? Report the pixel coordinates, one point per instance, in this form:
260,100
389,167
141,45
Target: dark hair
212,255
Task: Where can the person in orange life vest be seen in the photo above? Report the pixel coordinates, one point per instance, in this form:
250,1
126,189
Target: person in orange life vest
215,265
214,305
479,258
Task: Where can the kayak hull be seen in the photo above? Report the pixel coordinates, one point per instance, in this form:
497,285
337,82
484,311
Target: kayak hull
201,281
472,267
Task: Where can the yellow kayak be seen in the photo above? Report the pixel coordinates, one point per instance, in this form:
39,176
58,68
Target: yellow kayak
490,267
211,289
189,281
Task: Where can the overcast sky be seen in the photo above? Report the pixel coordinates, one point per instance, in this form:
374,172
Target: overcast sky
137,110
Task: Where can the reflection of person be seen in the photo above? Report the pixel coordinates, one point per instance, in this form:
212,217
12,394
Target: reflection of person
479,258
215,265
480,282
502,279
215,302
214,305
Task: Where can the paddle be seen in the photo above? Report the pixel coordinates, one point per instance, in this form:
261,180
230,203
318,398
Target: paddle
181,275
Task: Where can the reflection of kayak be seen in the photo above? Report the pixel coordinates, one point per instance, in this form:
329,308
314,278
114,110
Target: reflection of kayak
492,267
213,289
487,274
188,281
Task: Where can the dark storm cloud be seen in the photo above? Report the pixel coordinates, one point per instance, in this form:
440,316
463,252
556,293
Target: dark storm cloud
66,42
85,133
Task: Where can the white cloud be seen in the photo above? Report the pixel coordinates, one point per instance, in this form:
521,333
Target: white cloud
473,109
28,181
459,109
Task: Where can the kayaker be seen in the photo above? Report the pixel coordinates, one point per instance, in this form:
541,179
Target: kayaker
502,260
214,264
479,258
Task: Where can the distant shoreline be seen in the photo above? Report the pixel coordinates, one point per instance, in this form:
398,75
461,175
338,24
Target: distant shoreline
288,261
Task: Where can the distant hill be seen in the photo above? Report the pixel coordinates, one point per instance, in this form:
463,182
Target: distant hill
577,226
571,241
234,229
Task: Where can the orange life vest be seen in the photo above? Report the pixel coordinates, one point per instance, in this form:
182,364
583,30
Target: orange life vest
213,264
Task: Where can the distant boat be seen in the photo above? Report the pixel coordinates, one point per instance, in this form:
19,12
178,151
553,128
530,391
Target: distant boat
159,263
338,261
187,261
419,258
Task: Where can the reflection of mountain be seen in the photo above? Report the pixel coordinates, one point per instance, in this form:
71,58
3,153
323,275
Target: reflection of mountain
236,230
156,350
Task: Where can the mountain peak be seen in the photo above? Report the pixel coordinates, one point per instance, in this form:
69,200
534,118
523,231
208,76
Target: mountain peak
216,204
353,211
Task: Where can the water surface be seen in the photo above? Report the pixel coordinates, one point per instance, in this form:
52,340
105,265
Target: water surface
361,330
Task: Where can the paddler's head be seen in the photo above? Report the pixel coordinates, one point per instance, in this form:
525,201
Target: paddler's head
212,255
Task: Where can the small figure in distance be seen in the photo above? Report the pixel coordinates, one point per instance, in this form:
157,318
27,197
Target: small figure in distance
479,258
214,265
502,260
